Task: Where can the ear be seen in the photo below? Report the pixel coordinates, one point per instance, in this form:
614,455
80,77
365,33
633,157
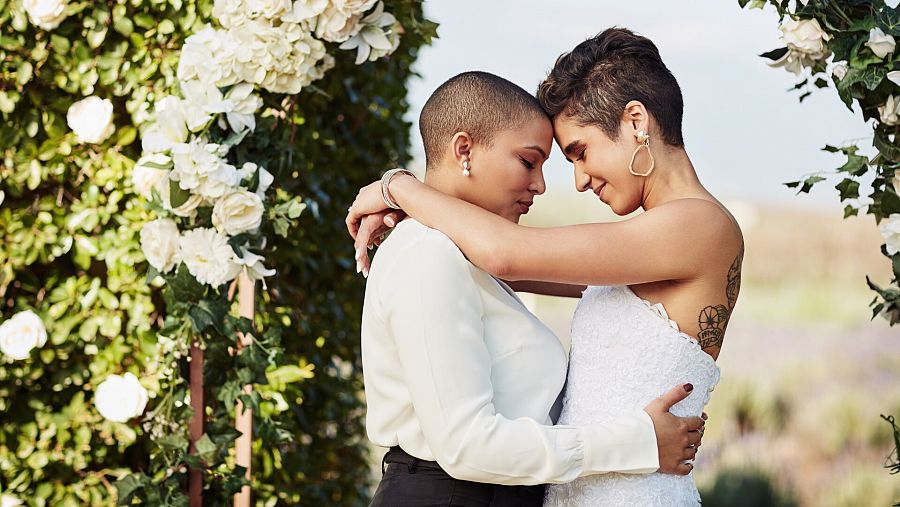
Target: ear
636,116
461,147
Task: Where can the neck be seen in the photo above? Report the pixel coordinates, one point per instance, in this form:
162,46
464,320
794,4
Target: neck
673,178
439,178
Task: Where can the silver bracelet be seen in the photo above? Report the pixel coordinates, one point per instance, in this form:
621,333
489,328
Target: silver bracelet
386,181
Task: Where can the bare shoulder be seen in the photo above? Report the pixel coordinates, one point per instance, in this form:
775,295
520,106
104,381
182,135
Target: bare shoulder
704,223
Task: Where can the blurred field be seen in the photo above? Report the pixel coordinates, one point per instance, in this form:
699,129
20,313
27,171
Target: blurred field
805,372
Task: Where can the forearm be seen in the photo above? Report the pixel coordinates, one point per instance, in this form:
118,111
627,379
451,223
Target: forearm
482,236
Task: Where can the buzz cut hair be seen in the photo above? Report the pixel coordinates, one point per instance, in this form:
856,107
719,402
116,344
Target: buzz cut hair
478,103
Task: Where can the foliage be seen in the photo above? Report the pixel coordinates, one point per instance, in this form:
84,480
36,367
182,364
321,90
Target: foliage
70,221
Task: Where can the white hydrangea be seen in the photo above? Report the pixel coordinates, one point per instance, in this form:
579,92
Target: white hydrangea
890,231
199,169
202,100
160,243
341,19
238,211
281,59
120,398
890,111
208,256
146,178
252,265
805,42
22,333
379,36
45,14
208,55
169,127
234,13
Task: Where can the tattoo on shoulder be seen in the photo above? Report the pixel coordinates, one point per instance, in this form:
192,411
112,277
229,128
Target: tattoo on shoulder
714,319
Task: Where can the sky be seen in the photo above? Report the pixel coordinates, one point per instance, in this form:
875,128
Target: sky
744,131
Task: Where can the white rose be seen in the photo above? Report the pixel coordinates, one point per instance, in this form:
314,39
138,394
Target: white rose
265,180
252,265
237,212
9,501
208,256
146,178
202,100
880,43
21,333
380,36
199,169
839,70
805,42
46,14
121,398
894,77
91,119
890,231
890,111
160,243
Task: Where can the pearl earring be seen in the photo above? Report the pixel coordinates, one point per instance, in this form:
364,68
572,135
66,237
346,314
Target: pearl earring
465,168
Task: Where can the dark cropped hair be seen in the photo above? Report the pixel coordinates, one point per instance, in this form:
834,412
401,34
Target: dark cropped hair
595,81
478,103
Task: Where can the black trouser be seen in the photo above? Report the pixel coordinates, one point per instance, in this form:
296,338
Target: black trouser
408,481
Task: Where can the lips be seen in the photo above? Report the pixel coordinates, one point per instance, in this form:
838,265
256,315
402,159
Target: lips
523,206
599,189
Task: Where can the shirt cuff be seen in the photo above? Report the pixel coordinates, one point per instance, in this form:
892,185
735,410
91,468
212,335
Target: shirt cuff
626,446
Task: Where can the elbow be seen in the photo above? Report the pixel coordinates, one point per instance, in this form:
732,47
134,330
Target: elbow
500,265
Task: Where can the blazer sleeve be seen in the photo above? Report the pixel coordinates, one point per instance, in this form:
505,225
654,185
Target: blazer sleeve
433,308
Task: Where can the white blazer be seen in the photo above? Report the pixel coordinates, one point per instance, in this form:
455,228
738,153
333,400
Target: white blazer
458,371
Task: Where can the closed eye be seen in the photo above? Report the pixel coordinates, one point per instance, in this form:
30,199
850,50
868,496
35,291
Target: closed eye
581,155
527,163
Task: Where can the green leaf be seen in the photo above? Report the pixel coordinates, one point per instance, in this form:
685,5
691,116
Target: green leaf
206,314
24,73
856,165
888,150
873,76
850,211
126,135
144,20
775,54
123,25
206,449
166,27
809,182
848,189
177,195
130,485
96,37
888,20
890,202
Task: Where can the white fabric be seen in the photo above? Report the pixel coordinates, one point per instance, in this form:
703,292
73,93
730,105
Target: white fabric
625,353
458,371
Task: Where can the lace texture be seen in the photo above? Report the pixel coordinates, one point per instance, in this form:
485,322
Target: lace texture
625,353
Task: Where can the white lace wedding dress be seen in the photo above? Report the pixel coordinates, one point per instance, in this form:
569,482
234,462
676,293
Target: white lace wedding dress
625,353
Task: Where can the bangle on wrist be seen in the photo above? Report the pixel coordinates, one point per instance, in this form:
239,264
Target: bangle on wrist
385,183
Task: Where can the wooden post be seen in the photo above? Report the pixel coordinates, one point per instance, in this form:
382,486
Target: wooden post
195,477
244,418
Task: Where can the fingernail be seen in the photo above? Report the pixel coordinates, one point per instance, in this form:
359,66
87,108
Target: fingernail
390,221
365,272
689,387
358,266
359,254
371,247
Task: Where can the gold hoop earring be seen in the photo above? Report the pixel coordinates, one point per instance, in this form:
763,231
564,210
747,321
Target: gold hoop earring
466,168
644,139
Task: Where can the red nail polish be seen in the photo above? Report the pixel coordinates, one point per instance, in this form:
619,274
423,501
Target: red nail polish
689,387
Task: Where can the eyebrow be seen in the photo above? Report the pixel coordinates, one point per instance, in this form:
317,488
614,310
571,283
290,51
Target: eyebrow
537,149
570,148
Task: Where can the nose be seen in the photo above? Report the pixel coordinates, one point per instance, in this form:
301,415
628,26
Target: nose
538,185
582,180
